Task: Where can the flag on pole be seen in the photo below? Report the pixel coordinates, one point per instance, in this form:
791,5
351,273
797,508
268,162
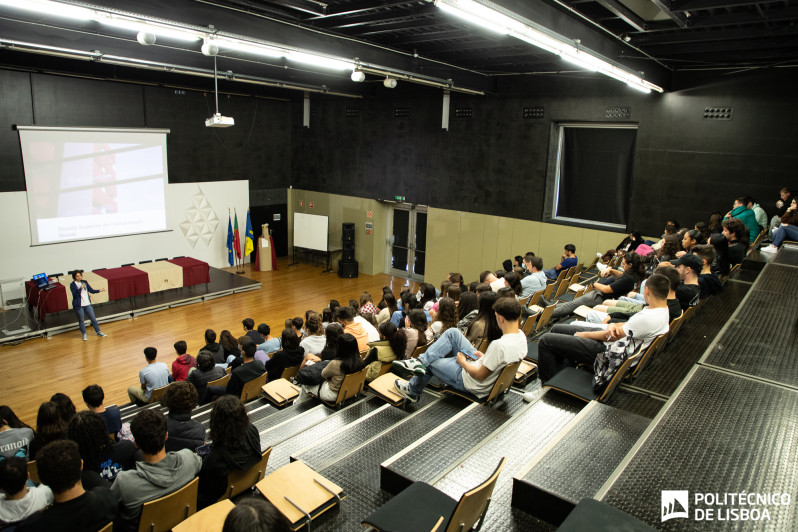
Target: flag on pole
229,240
249,239
236,239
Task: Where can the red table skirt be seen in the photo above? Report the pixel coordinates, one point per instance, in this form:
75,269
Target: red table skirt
126,281
194,271
53,300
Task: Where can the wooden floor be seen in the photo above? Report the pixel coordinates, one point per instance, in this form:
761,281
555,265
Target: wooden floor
36,369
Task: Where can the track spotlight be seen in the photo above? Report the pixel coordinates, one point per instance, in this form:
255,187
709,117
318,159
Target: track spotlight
389,83
209,48
358,76
145,37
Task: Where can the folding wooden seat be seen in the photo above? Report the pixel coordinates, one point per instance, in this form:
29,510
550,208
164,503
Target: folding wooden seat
163,514
252,388
209,519
157,395
240,481
434,510
502,385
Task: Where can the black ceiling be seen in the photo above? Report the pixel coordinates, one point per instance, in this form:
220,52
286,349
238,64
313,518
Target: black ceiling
657,37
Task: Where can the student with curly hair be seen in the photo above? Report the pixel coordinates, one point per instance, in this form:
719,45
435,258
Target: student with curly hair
184,432
445,317
235,445
102,459
75,509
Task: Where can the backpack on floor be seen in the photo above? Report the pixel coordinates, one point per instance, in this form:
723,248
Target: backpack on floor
608,361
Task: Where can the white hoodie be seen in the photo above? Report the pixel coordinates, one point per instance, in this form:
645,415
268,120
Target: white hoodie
36,500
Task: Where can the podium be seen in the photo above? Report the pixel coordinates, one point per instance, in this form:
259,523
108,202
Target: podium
265,254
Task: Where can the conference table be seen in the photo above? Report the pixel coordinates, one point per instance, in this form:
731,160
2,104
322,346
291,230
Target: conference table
121,283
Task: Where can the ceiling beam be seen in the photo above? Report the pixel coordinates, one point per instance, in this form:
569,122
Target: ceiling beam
732,48
358,8
624,13
712,35
392,15
734,19
305,6
695,5
679,18
380,28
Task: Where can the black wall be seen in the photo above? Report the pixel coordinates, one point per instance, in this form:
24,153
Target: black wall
257,148
495,162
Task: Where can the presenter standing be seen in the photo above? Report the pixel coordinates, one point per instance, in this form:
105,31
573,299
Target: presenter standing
81,303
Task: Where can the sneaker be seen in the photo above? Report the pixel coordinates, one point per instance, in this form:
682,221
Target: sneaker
411,365
531,397
769,249
403,389
85,337
101,334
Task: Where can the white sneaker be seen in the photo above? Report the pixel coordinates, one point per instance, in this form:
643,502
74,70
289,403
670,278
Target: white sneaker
85,337
531,397
769,249
403,389
101,334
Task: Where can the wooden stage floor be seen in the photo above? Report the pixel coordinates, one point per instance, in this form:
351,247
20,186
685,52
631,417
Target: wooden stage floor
40,367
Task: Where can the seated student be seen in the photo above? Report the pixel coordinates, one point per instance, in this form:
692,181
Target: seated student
94,396
427,296
326,317
629,243
484,324
390,308
454,293
392,346
622,281
315,340
741,211
183,363
670,247
347,360
15,436
331,334
367,304
184,432
785,199
788,230
255,514
248,370
213,347
720,265
759,212
467,310
346,317
249,324
567,260
74,509
292,354
498,280
444,318
154,375
49,427
409,302
572,343
158,474
66,408
297,325
230,345
235,446
737,235
708,282
102,459
690,240
454,360
17,501
205,372
270,344
536,279
623,309
417,331
688,292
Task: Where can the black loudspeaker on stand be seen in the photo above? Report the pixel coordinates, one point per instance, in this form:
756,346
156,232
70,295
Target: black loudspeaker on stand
347,266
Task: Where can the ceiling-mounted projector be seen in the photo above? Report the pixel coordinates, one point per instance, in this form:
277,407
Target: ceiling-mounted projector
218,120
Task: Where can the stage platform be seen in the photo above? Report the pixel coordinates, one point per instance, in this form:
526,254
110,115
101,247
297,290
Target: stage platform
23,323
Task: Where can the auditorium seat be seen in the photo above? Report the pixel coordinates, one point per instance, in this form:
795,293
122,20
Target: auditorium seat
169,510
240,481
501,386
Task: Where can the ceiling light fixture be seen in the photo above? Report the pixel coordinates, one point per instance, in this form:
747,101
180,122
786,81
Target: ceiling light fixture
358,76
506,22
52,8
389,83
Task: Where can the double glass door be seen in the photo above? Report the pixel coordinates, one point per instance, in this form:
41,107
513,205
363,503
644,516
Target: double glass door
408,242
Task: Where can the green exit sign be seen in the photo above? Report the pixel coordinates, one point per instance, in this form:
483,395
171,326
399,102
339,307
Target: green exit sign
399,198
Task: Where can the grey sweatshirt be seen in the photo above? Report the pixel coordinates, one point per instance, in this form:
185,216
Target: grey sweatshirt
150,481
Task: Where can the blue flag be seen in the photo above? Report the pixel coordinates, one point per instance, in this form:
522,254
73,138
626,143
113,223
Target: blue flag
229,240
249,239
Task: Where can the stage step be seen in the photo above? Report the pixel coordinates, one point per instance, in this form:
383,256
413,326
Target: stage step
324,448
429,457
530,430
577,462
356,472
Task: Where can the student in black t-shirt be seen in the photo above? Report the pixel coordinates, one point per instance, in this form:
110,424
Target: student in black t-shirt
248,370
102,459
74,509
689,267
736,233
614,284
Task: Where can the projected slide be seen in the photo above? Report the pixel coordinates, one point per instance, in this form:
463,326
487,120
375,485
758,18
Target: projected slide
84,184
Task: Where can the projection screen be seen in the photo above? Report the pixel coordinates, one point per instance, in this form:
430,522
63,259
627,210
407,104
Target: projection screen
85,183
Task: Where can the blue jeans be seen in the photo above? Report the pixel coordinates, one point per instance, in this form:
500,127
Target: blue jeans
785,232
551,273
440,361
88,311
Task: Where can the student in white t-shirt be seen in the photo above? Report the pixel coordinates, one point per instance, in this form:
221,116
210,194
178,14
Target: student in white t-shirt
582,344
17,501
469,370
